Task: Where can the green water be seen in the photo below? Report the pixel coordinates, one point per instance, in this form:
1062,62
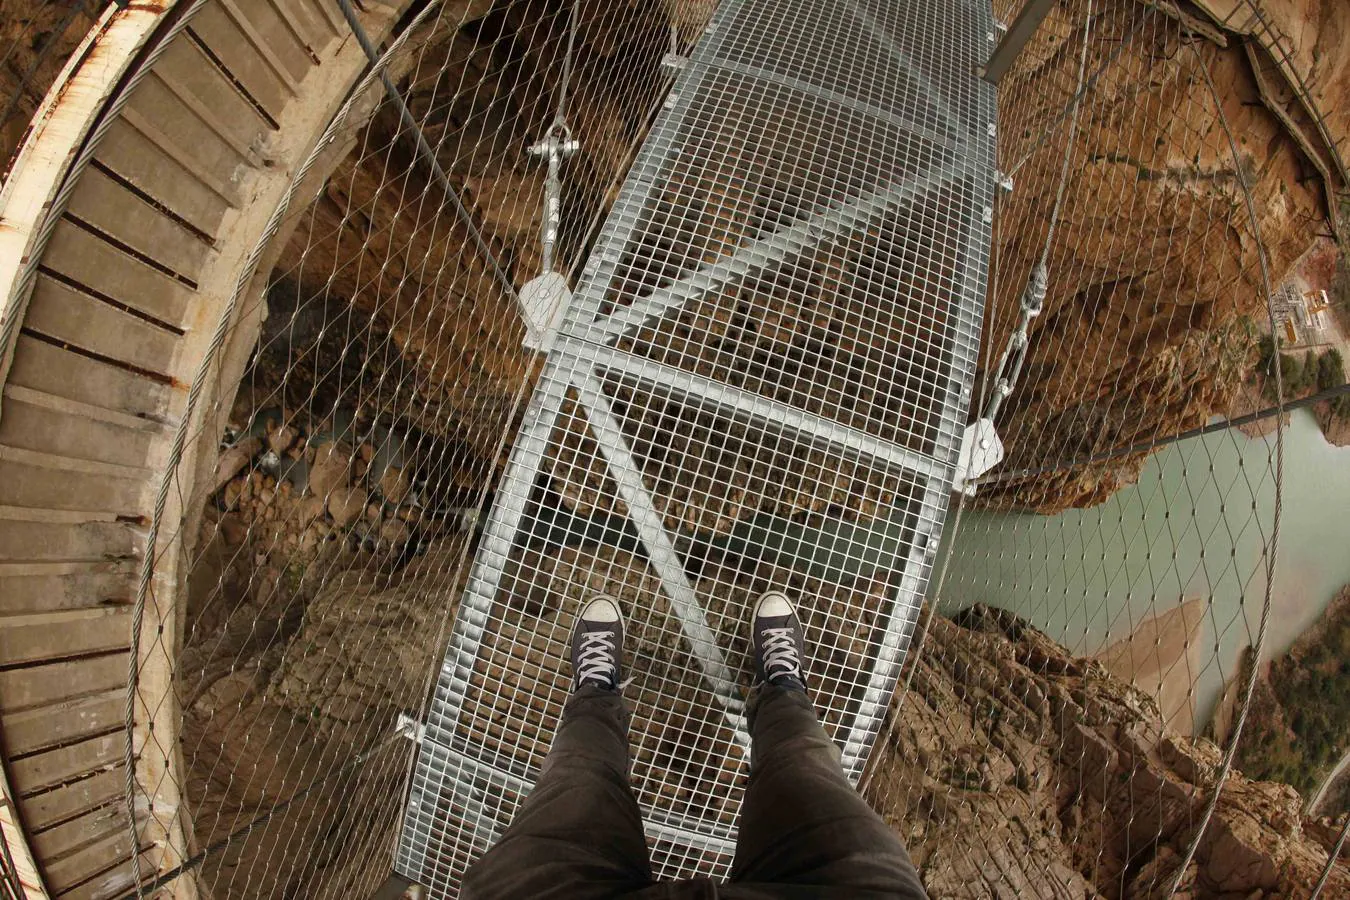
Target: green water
1194,525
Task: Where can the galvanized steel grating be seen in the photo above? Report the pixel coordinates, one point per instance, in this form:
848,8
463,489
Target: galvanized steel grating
761,381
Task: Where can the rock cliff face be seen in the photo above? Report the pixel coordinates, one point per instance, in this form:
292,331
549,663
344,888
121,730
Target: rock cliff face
295,699
1015,770
1313,33
1010,768
1154,262
37,38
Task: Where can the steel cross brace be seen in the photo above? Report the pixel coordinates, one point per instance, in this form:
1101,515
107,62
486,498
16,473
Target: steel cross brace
836,98
753,409
660,549
921,80
765,252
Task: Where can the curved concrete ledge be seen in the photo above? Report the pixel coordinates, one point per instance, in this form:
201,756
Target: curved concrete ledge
133,275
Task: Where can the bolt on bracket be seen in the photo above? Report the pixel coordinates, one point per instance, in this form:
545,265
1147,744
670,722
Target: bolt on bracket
981,450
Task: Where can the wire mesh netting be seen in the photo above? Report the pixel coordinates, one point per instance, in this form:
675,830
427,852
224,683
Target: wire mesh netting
1132,191
373,421
798,240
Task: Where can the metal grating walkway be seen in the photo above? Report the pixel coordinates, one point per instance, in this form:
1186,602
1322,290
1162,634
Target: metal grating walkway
762,381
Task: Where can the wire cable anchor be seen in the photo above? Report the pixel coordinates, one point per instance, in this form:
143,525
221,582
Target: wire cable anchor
410,728
544,299
673,62
981,447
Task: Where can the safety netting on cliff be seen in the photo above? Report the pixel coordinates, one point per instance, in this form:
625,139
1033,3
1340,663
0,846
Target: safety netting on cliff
1069,717
370,432
680,301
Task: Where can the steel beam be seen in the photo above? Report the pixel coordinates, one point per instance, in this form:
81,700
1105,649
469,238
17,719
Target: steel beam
917,75
933,506
900,618
494,550
658,823
651,531
834,97
1015,39
762,253
746,407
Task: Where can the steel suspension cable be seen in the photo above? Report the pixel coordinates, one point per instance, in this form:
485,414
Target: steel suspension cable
425,152
1033,296
560,117
1332,859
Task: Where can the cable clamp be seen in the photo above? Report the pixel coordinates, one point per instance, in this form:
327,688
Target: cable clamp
410,728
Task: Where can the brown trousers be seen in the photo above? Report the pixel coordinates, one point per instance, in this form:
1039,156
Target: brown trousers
804,831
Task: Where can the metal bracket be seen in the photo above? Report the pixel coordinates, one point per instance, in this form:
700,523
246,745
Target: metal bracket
543,302
672,64
410,728
981,450
1015,39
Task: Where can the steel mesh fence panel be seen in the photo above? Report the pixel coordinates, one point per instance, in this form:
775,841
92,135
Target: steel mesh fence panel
772,343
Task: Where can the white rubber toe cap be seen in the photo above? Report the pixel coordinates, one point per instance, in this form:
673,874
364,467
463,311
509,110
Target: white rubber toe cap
601,609
773,605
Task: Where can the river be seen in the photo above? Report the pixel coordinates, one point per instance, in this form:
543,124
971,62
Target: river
1193,526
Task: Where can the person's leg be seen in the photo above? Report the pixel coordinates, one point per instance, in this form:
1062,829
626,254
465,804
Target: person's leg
802,823
579,833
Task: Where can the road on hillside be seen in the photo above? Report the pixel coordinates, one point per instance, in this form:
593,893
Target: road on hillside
1327,782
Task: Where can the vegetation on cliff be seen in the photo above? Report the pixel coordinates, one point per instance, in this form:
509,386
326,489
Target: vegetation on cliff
1299,724
1305,374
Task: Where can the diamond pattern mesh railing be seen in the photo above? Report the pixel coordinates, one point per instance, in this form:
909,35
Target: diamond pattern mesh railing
286,480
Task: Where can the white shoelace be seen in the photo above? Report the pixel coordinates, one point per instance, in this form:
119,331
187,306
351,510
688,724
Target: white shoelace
780,652
596,658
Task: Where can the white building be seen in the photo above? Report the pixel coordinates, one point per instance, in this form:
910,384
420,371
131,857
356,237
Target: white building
1300,316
